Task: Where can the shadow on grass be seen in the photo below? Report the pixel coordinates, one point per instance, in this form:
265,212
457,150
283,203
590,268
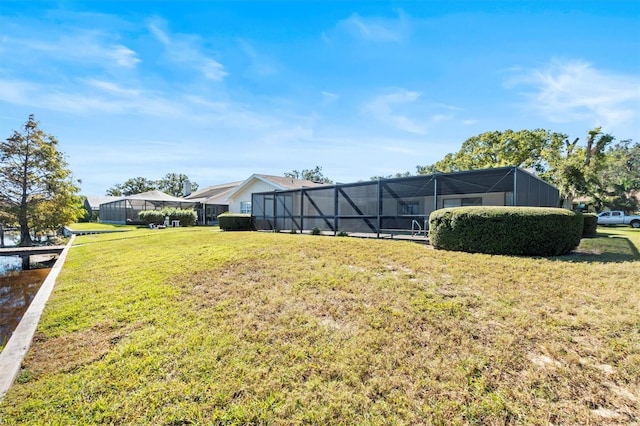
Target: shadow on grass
603,248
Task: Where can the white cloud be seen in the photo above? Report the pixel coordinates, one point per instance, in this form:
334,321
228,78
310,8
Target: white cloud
384,108
182,49
374,28
440,118
84,99
212,70
576,91
289,136
122,56
210,105
260,64
159,34
97,97
329,97
85,47
113,88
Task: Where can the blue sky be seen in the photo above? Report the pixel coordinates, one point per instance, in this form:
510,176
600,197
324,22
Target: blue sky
221,90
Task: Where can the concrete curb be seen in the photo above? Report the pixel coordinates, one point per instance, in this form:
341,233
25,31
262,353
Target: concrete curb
14,352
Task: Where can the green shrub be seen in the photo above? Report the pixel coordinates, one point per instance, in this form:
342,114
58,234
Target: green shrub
235,222
590,224
151,216
187,217
315,231
531,231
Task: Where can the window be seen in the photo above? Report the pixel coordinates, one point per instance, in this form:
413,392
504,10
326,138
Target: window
615,214
462,202
245,207
409,207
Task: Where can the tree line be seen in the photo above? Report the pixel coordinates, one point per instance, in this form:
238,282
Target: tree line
604,172
171,183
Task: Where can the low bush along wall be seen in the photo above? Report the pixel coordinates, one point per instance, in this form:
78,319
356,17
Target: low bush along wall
532,231
187,217
235,222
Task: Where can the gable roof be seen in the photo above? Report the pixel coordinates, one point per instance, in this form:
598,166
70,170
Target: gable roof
94,201
155,195
221,198
289,183
203,195
279,182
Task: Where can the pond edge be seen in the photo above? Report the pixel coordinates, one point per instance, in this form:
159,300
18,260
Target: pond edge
18,345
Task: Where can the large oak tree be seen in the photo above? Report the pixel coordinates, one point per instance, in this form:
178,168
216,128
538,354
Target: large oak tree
576,169
37,191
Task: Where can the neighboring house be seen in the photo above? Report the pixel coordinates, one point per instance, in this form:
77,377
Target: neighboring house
235,197
92,203
240,198
212,201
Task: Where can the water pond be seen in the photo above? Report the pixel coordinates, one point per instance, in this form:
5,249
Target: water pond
17,290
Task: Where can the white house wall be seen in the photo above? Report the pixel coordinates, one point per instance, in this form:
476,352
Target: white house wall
390,205
244,195
488,199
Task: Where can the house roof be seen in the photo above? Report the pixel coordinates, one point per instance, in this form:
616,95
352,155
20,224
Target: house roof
221,199
94,201
212,192
279,182
155,195
289,183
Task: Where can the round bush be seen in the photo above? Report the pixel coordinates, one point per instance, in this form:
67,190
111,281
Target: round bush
531,231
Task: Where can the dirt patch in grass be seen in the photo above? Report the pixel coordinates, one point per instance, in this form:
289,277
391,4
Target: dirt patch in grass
71,351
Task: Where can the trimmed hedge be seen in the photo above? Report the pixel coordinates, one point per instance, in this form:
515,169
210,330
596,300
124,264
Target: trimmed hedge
187,217
531,231
235,222
590,224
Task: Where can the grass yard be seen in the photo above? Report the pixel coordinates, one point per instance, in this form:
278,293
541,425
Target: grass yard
196,326
93,226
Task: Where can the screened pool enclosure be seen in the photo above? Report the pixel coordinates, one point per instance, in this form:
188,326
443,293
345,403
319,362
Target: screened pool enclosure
396,206
125,210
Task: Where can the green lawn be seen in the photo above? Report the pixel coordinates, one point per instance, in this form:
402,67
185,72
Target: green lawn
197,326
93,226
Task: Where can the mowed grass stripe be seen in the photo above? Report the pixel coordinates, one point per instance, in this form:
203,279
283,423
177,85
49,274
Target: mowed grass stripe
192,325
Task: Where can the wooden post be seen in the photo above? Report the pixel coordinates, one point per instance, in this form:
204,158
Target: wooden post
1,236
26,264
